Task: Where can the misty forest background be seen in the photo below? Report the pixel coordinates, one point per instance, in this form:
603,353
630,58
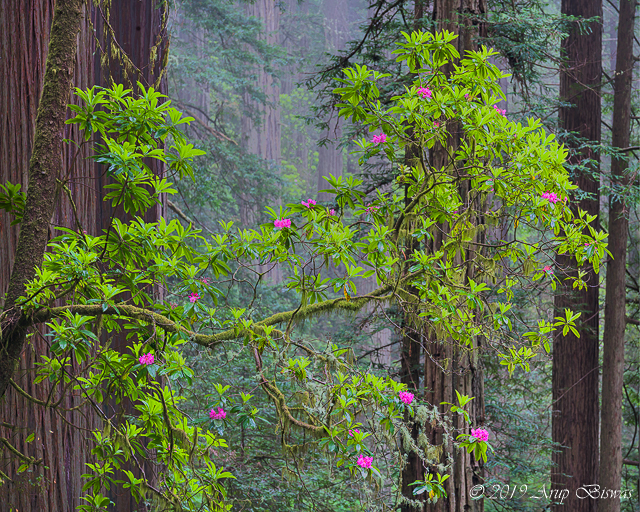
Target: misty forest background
257,77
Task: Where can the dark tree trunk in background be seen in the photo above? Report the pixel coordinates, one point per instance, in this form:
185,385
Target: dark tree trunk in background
575,360
24,40
615,298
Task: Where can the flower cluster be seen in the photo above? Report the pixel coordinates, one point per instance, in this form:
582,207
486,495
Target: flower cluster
480,434
365,462
371,209
551,196
220,414
332,212
548,270
378,139
204,280
146,358
500,110
406,397
309,203
194,297
354,431
284,223
425,92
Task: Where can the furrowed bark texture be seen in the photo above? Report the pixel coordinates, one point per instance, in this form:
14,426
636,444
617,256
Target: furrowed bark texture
448,368
45,166
615,295
410,352
137,28
24,38
575,360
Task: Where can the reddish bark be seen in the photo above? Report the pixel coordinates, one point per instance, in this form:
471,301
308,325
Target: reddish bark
575,360
615,299
24,36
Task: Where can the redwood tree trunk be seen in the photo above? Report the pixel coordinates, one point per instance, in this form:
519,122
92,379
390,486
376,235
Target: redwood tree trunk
464,373
575,360
24,38
43,147
615,298
410,353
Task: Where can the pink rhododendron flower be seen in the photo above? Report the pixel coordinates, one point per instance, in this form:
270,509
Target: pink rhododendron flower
354,431
548,269
194,297
332,212
436,124
146,359
309,203
466,96
365,462
284,223
425,92
371,209
406,397
500,111
204,280
552,197
480,434
378,139
220,414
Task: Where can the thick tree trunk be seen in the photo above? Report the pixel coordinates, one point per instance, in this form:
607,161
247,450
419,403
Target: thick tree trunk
24,36
410,352
44,168
615,298
464,371
575,360
137,29
261,134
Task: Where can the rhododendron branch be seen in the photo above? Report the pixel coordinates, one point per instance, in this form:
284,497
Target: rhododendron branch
353,304
279,399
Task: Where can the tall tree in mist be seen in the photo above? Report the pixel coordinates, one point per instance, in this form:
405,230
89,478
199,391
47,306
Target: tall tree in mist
615,296
575,359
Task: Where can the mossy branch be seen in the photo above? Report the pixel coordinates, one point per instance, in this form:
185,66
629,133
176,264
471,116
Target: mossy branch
206,340
18,453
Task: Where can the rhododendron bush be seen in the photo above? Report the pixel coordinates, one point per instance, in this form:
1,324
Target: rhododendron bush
455,284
